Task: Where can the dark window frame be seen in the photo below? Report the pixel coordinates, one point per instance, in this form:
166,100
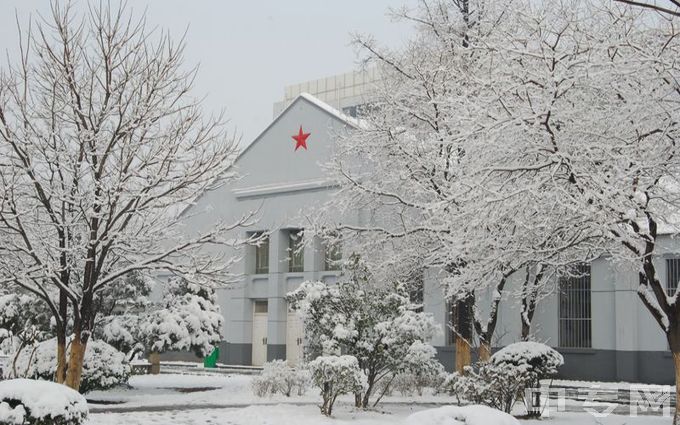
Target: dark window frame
296,251
261,254
672,275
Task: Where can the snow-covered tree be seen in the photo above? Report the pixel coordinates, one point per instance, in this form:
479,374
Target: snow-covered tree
668,7
375,322
102,144
409,165
583,106
188,319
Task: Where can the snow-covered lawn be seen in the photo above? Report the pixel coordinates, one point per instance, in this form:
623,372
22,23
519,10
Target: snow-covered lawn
228,399
211,390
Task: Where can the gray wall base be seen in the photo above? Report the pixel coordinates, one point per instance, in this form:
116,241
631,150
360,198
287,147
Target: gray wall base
276,352
651,367
236,354
180,356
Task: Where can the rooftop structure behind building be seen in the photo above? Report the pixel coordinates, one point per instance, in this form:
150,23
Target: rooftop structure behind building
345,92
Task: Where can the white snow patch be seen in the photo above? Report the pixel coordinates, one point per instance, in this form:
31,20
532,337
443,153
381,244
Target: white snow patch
461,415
42,399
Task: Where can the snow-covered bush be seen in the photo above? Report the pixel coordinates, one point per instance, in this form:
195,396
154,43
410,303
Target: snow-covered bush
23,319
410,384
503,380
376,323
122,333
534,360
490,385
104,366
30,402
189,319
419,371
463,415
278,377
336,375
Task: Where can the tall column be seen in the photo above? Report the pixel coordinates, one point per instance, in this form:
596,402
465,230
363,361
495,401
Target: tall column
626,322
277,309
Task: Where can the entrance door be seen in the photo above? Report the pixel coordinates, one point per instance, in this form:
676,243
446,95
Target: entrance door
294,341
259,333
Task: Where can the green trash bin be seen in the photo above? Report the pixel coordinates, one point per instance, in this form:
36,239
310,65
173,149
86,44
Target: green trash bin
211,360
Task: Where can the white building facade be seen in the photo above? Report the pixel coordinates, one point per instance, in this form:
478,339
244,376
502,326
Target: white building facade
597,321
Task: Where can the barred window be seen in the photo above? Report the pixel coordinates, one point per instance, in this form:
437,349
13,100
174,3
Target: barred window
672,275
575,318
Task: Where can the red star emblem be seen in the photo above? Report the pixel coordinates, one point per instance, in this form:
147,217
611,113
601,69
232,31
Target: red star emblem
301,139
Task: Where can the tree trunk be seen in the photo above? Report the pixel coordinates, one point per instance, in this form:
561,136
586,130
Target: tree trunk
463,354
530,288
75,363
60,376
484,350
462,325
676,363
327,394
365,401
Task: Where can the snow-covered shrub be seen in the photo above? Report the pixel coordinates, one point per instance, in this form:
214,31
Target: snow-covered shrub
23,320
420,369
190,319
490,385
303,379
534,360
503,380
261,387
336,375
104,366
376,323
410,384
463,415
30,402
122,333
187,318
279,378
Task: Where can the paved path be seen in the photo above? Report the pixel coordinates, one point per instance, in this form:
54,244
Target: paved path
620,409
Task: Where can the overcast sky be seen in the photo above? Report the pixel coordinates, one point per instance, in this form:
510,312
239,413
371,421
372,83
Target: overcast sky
249,50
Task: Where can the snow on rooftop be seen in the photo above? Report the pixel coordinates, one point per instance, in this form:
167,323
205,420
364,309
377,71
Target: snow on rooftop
328,108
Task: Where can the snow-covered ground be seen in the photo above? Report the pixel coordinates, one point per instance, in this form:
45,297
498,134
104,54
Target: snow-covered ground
225,390
228,399
286,414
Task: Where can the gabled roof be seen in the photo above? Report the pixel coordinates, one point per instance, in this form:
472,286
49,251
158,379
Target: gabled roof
353,122
302,97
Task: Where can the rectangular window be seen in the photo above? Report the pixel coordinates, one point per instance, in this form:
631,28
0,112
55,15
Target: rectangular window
261,307
575,318
332,257
262,256
672,275
296,252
